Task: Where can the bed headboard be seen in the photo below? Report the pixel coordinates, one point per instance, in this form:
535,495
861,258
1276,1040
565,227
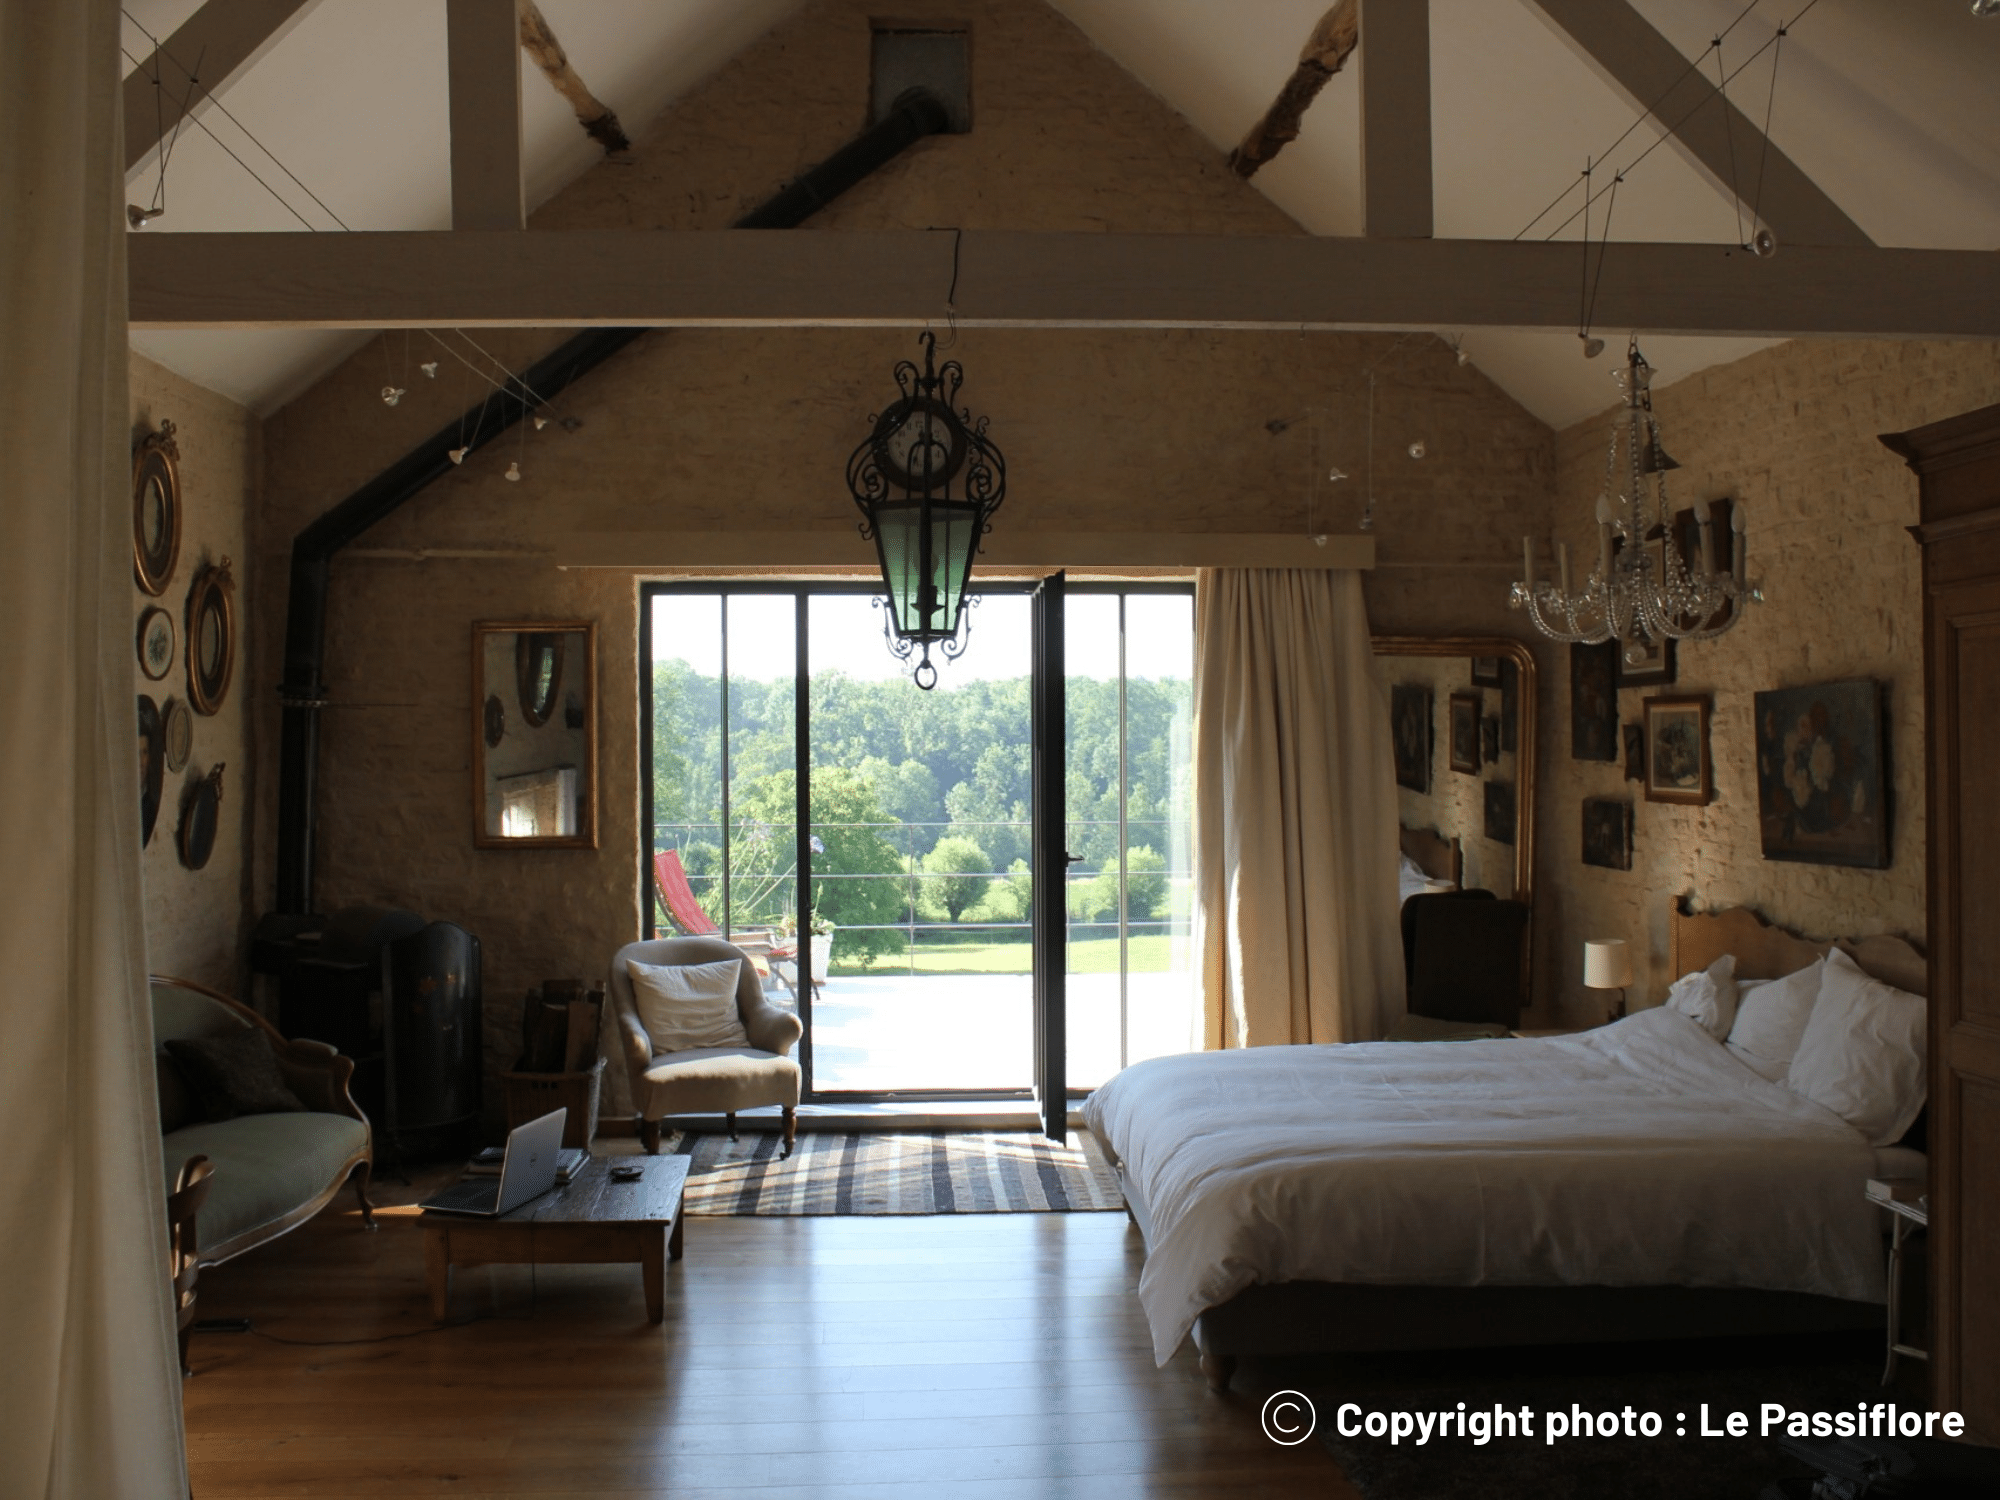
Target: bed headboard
1437,856
1697,939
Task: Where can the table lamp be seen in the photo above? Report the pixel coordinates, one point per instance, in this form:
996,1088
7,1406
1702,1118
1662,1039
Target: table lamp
1607,965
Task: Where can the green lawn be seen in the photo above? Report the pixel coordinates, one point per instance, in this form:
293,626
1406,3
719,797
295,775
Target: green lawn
1149,953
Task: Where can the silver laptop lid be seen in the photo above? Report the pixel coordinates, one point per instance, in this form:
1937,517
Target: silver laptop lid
530,1167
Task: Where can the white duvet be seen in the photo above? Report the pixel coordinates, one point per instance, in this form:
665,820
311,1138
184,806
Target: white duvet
1638,1154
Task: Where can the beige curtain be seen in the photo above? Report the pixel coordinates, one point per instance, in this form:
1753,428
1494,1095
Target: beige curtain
1295,812
89,1383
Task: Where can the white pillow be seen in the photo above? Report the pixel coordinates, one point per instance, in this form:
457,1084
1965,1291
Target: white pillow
1708,996
1771,1016
1863,1052
689,1005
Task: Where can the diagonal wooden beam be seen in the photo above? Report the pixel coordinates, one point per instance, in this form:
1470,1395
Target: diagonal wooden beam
1707,129
895,278
484,39
1396,118
217,42
1325,53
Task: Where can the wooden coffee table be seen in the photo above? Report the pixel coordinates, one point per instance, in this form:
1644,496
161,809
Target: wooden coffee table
589,1219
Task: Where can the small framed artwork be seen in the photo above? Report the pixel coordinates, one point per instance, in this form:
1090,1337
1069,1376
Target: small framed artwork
157,643
1607,833
1500,811
1486,671
1635,752
1489,740
1677,762
1463,732
1822,791
1410,725
1687,537
1646,663
1593,701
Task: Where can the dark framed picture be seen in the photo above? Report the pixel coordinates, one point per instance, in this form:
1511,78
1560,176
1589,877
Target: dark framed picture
1593,701
1635,752
1510,705
1410,725
1646,663
1822,783
1489,740
1607,833
1486,671
1687,537
1462,732
1677,763
1500,811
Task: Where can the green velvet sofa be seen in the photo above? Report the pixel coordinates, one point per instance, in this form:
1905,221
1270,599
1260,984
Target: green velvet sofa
273,1171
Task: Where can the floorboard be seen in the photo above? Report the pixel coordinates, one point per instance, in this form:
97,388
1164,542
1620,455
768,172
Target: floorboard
991,1355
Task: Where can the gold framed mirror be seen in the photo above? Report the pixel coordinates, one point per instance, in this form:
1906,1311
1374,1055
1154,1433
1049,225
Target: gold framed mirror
1458,809
156,509
211,637
534,734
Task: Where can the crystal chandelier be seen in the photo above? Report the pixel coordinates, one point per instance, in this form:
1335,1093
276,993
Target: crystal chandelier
1643,589
927,481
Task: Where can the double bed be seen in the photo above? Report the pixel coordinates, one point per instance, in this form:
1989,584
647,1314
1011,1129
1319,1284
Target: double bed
1634,1181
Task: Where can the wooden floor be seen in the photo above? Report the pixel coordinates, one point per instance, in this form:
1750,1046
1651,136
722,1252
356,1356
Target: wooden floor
973,1355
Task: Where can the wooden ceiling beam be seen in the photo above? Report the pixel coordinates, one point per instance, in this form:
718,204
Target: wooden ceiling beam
1396,118
211,48
484,42
1707,129
897,278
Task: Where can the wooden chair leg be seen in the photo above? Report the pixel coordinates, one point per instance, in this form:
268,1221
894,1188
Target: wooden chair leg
649,1135
731,1118
360,1178
791,1129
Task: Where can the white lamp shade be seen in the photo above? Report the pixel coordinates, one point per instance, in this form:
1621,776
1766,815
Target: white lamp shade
1607,964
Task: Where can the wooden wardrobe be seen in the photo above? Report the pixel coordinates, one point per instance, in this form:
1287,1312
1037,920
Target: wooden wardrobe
1958,468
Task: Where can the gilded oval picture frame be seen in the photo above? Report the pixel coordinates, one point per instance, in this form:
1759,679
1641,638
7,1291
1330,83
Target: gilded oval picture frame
156,509
211,637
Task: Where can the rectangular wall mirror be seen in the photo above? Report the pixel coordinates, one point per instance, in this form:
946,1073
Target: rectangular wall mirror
534,734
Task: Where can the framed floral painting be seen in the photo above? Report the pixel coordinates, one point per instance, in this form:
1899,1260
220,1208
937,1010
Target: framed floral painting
1822,791
1677,760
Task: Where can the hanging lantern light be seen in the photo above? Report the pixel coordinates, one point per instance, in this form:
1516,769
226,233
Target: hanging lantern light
927,482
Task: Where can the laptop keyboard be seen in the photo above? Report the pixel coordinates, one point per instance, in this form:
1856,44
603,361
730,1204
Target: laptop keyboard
471,1195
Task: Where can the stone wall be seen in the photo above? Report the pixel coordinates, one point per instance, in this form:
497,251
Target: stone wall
197,920
750,429
1790,432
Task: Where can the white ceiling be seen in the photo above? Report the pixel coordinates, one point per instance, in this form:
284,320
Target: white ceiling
1891,106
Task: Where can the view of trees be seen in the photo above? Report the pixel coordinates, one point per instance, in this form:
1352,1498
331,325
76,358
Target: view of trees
932,788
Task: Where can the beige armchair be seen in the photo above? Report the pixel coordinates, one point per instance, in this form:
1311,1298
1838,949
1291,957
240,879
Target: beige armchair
706,1079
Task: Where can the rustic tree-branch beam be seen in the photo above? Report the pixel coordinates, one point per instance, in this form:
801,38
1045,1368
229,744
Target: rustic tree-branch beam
1325,53
217,43
538,40
1711,132
743,278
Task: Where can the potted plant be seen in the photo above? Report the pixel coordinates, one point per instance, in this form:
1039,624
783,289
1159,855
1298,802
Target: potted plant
821,931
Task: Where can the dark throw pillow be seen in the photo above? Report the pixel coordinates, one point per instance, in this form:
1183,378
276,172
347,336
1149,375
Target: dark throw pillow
235,1075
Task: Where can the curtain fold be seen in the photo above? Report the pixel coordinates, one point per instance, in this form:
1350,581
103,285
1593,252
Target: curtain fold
89,1379
1295,812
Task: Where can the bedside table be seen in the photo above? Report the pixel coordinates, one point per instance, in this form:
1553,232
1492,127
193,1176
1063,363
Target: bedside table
1908,1205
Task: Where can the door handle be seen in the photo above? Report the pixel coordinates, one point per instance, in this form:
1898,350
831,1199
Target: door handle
1072,859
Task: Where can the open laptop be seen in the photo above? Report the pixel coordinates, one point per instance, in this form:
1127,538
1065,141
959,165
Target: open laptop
528,1172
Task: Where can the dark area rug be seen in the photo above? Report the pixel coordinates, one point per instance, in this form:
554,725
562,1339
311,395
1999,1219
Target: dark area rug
1673,1380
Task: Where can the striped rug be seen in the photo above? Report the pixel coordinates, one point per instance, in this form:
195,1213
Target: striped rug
938,1172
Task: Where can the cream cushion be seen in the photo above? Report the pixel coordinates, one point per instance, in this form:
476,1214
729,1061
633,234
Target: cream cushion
685,1006
1708,996
1771,1017
1863,1052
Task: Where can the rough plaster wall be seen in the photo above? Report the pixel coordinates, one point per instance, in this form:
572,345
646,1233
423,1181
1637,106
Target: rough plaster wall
751,429
1455,806
1791,432
196,920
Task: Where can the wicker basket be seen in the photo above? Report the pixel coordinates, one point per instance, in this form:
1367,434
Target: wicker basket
532,1095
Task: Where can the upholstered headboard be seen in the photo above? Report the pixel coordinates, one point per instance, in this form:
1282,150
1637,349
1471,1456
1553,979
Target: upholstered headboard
1697,939
1437,856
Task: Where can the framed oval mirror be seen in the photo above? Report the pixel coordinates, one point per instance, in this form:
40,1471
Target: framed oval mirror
201,813
211,637
152,766
534,734
156,509
538,669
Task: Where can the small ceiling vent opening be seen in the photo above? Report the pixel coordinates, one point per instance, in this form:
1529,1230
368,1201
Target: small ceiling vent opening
909,55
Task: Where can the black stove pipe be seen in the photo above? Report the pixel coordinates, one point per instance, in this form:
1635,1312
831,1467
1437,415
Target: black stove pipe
302,694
